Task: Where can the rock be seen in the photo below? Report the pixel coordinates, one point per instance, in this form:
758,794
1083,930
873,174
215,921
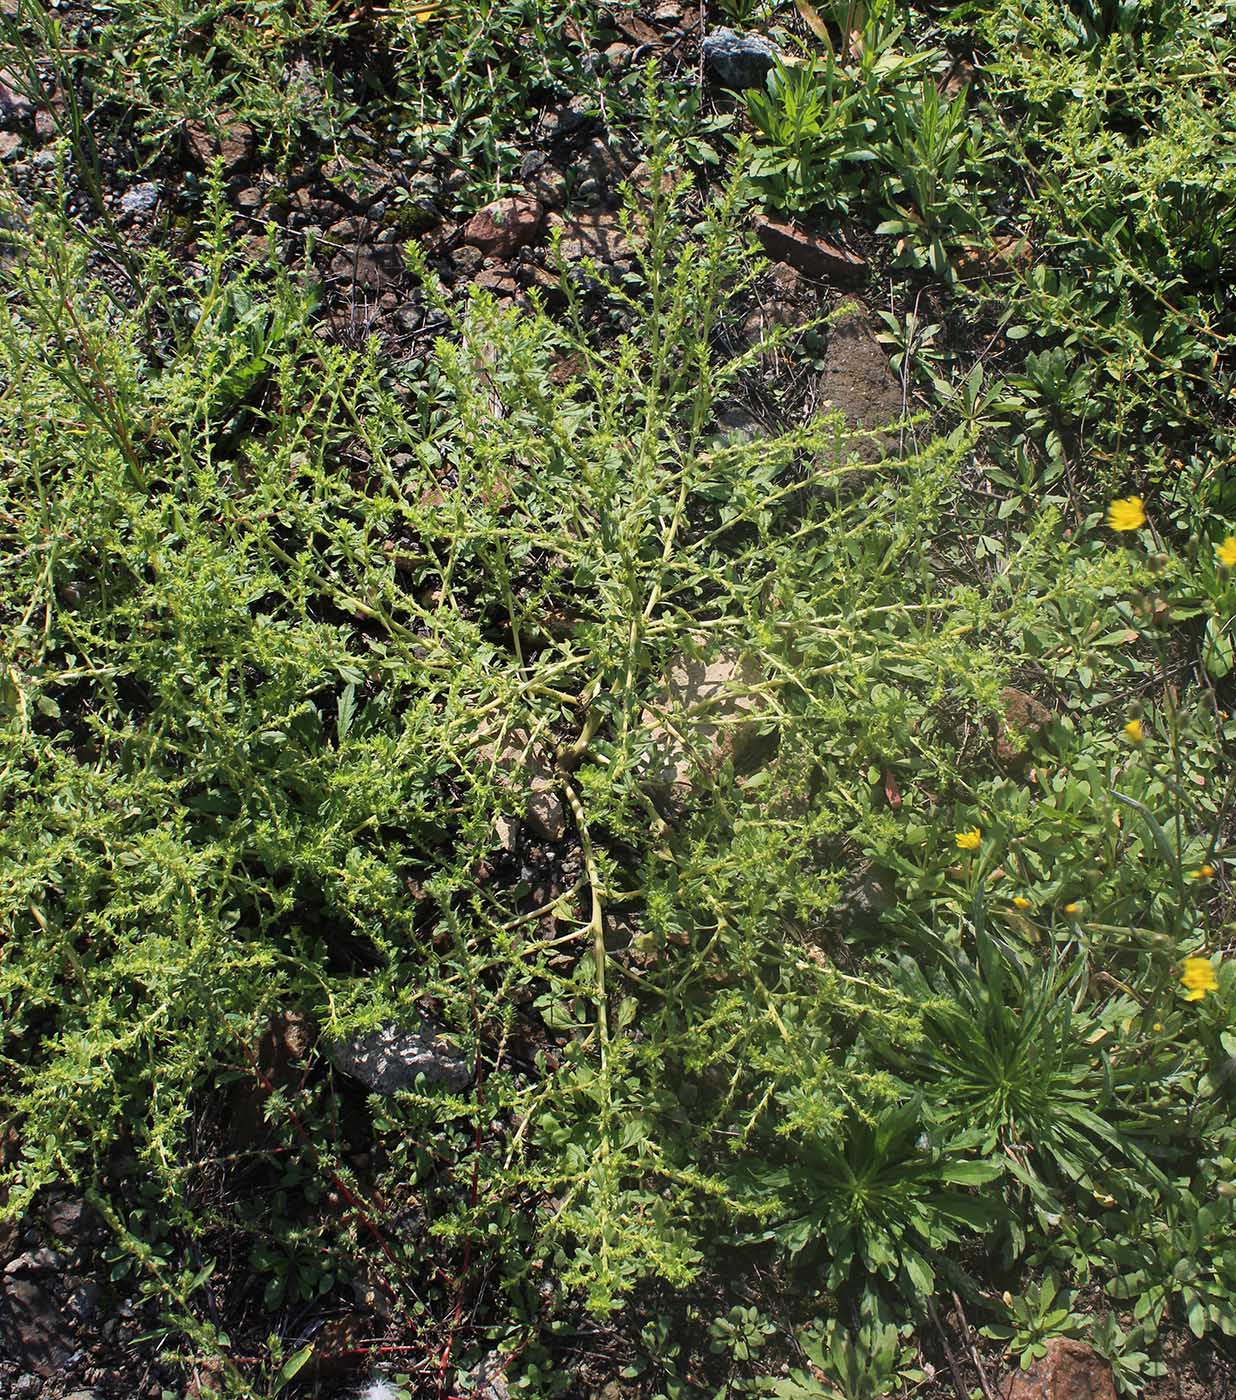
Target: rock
617,56
224,137
368,265
1024,719
26,1387
10,145
39,1261
140,201
858,379
576,115
497,281
249,200
84,1301
701,719
466,260
392,1057
598,234
669,13
65,1218
83,1395
783,301
636,30
739,424
30,1327
487,1379
505,225
738,60
15,106
1070,1370
530,769
864,897
810,254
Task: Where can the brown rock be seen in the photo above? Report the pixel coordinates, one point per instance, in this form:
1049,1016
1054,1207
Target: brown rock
857,379
498,281
702,718
368,265
597,234
783,301
14,104
507,224
637,30
999,258
810,254
548,184
224,136
1024,718
532,769
31,1331
1070,1371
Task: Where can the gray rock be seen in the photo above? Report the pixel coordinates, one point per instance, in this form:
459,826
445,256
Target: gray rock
141,200
575,115
10,145
392,1057
84,1301
26,1387
487,1379
64,1217
738,60
38,1261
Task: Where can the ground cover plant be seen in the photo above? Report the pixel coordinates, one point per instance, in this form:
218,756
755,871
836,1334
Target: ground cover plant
789,847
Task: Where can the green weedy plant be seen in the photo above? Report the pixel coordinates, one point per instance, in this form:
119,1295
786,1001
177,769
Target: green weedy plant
815,137
859,1362
235,729
1033,1320
1011,1052
287,629
884,1201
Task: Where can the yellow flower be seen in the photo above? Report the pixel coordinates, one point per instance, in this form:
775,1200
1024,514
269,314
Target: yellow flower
1226,552
1073,908
1104,1199
1020,902
1128,513
1134,732
1198,978
1203,872
969,840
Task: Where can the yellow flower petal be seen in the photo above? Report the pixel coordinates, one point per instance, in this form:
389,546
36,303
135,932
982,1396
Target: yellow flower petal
969,840
1198,978
1072,908
1128,513
1020,902
1226,552
1134,732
